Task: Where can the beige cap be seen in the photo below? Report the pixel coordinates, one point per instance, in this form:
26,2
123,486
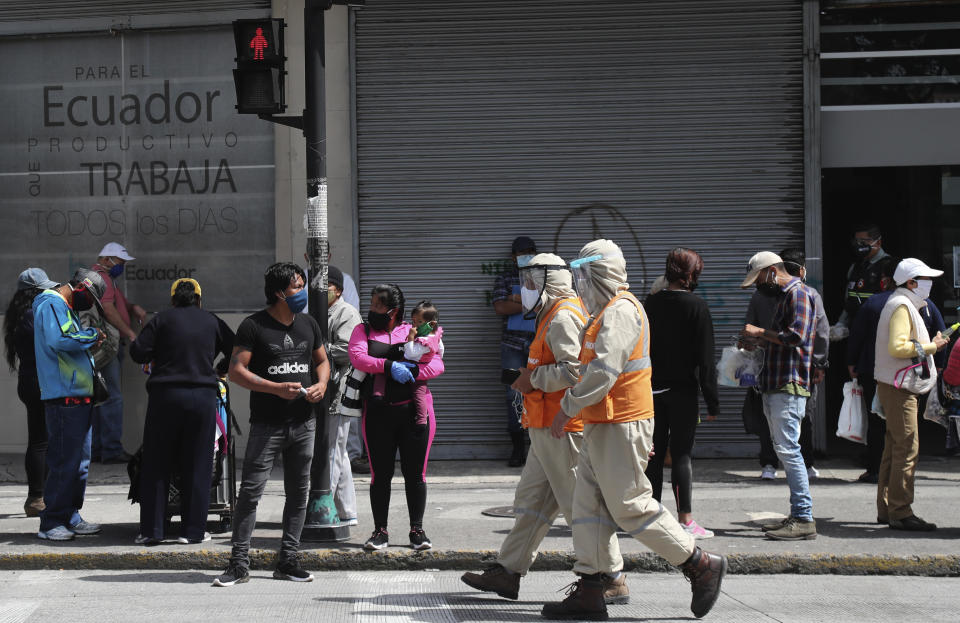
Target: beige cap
764,259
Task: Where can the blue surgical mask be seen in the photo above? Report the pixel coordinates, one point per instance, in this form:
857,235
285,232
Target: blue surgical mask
297,302
116,270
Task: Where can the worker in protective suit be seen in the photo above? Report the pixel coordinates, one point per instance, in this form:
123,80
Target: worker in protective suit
550,474
615,401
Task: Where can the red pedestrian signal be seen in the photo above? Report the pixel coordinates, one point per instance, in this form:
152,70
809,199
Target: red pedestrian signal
259,44
259,76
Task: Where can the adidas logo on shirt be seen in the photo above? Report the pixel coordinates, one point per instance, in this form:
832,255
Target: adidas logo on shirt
289,368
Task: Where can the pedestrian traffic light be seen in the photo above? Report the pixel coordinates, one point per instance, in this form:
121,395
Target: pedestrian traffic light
258,77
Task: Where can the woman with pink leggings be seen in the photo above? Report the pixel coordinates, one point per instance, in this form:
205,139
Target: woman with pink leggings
389,413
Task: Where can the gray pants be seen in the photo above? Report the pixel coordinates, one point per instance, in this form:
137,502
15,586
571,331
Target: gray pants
354,443
341,476
294,441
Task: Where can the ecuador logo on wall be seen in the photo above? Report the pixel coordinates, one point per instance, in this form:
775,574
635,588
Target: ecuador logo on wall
134,138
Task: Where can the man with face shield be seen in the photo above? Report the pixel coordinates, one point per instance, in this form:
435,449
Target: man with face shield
550,474
614,398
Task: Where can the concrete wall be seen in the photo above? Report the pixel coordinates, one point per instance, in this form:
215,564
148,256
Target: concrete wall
290,207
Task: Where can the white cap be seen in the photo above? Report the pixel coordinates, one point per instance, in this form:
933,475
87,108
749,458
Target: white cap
115,249
764,259
911,268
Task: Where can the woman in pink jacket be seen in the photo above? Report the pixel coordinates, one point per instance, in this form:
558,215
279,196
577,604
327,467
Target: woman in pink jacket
389,414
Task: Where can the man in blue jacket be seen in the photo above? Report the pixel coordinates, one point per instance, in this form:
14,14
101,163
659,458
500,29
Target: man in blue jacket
65,373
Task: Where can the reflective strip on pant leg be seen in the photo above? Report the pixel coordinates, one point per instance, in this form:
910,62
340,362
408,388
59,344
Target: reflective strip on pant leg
649,522
529,511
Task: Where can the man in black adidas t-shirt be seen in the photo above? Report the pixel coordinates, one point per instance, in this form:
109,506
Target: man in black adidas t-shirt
279,356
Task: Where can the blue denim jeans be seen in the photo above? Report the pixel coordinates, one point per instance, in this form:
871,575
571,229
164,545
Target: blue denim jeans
784,413
108,417
513,358
68,461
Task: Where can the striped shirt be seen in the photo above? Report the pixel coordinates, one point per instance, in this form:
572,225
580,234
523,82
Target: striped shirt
794,321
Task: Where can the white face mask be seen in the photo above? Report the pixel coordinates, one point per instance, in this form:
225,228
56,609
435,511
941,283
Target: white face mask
923,288
529,298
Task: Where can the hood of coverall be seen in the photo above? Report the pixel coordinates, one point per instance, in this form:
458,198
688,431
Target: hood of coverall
607,275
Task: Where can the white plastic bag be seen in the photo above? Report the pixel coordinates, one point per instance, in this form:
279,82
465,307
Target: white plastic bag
877,407
852,424
934,411
739,367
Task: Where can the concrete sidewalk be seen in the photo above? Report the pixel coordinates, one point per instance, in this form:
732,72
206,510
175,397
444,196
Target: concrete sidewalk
729,498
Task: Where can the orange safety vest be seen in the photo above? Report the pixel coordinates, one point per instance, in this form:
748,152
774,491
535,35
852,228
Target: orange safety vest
541,407
631,397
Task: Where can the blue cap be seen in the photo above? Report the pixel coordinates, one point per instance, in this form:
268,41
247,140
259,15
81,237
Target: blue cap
35,278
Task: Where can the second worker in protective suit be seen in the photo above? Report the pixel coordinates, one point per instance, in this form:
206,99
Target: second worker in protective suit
550,473
614,398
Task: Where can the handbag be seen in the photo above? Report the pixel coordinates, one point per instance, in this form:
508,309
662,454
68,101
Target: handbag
107,350
917,378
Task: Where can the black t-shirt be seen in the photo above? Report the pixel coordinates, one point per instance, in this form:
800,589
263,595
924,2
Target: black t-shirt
282,354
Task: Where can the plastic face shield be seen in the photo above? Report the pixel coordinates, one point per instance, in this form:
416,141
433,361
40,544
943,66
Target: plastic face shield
583,280
535,278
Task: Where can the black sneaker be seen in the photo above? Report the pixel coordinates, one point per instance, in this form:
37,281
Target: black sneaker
378,540
235,574
290,570
419,539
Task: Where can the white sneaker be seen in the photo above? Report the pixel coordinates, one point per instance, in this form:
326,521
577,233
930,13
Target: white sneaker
769,472
696,530
185,541
812,473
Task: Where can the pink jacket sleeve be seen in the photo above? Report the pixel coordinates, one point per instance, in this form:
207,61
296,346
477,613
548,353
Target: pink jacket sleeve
431,369
358,353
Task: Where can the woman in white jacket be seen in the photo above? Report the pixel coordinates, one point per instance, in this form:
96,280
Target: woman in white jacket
904,369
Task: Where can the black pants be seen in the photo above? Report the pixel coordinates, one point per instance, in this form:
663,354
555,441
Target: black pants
674,425
35,459
177,437
876,426
387,429
293,441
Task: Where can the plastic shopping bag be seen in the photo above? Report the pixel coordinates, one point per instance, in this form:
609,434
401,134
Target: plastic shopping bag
876,407
739,367
934,411
853,417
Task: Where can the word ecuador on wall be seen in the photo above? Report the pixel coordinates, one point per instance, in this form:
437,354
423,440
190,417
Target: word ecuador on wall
134,138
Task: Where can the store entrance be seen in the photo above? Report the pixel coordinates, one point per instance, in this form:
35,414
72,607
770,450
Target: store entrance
918,211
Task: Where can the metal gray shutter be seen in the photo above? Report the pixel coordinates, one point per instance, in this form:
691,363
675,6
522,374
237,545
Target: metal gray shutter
656,124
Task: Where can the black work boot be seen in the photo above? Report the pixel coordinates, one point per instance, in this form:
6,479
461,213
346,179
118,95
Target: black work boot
519,456
496,579
705,572
584,601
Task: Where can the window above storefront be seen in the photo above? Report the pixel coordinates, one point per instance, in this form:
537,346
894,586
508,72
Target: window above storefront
890,55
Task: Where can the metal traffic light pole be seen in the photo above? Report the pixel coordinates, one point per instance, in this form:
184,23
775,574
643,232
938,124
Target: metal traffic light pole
322,523
259,84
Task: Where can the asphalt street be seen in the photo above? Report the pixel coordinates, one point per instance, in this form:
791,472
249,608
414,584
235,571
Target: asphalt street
440,597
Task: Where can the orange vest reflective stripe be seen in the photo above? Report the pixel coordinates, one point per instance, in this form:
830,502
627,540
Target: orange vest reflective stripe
540,407
631,397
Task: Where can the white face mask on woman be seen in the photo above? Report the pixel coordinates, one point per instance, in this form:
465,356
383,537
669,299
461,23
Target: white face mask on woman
923,288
